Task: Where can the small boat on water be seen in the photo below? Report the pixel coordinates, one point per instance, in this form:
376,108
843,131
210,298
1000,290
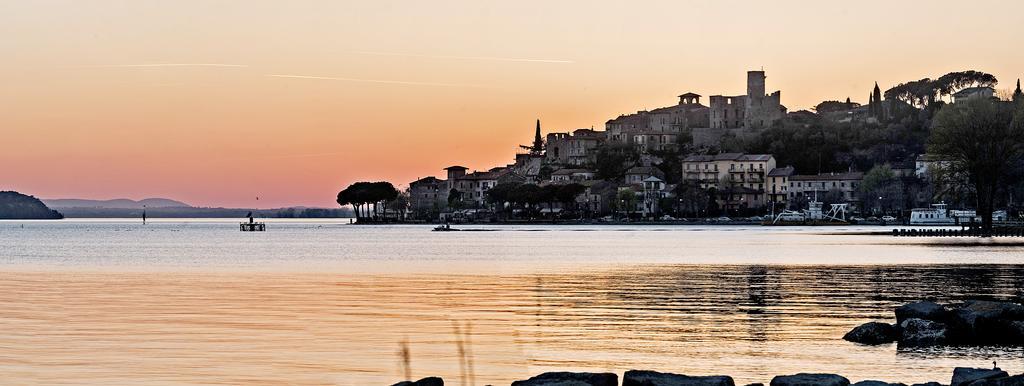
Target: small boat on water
445,228
936,215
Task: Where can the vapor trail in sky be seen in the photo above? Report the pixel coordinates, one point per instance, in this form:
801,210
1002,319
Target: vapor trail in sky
492,58
373,80
163,65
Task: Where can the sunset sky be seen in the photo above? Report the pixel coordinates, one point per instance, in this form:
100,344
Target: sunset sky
216,102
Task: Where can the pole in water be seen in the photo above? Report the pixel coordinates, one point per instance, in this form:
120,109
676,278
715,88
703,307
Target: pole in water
143,215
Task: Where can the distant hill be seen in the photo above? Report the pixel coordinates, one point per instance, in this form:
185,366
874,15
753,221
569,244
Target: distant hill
120,203
17,206
193,212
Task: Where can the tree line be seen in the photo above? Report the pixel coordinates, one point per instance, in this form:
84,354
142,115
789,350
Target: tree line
508,196
370,200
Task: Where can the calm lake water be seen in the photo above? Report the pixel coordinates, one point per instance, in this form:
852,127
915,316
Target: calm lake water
322,302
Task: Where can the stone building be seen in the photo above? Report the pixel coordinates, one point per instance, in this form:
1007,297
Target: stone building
739,179
755,110
778,184
689,113
568,176
427,197
818,185
576,148
972,93
637,174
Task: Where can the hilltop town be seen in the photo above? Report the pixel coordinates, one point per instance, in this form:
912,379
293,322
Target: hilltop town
740,156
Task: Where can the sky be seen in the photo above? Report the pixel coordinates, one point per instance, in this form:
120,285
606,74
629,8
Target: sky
216,103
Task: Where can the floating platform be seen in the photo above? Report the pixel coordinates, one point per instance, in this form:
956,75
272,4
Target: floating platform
252,227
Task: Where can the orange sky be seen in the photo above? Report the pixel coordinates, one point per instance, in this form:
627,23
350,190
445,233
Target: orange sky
185,99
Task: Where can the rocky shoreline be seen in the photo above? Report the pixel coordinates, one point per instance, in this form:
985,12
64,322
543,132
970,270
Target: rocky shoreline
962,376
925,323
922,323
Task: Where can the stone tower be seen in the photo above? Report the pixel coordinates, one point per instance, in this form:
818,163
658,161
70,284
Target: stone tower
755,88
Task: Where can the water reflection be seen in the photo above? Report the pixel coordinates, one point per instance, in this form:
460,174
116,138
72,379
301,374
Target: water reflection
747,321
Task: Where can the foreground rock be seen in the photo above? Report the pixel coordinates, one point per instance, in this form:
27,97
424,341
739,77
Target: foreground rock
877,383
805,379
1016,380
985,321
964,376
920,332
654,378
571,379
429,381
921,310
925,323
872,333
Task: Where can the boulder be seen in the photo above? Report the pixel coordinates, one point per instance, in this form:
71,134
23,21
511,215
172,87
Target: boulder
980,321
654,378
755,384
571,379
928,384
922,310
1014,331
964,376
805,379
920,332
877,383
1016,380
429,381
872,333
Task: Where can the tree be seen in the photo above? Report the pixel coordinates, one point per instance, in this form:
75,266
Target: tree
567,194
983,139
500,194
876,189
549,194
613,160
401,204
835,106
361,195
454,199
692,199
627,197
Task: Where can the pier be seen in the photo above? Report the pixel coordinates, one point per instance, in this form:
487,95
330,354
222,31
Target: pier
1003,231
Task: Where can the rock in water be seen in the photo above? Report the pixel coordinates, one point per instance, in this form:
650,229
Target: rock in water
920,332
571,379
872,333
877,383
429,381
804,379
1014,331
979,320
922,310
963,376
654,378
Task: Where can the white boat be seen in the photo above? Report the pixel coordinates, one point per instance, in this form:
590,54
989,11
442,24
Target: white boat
936,215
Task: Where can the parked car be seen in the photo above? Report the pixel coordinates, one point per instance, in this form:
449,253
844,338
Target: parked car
857,219
888,218
872,218
723,219
667,218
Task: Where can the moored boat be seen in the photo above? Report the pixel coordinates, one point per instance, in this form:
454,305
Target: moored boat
936,215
